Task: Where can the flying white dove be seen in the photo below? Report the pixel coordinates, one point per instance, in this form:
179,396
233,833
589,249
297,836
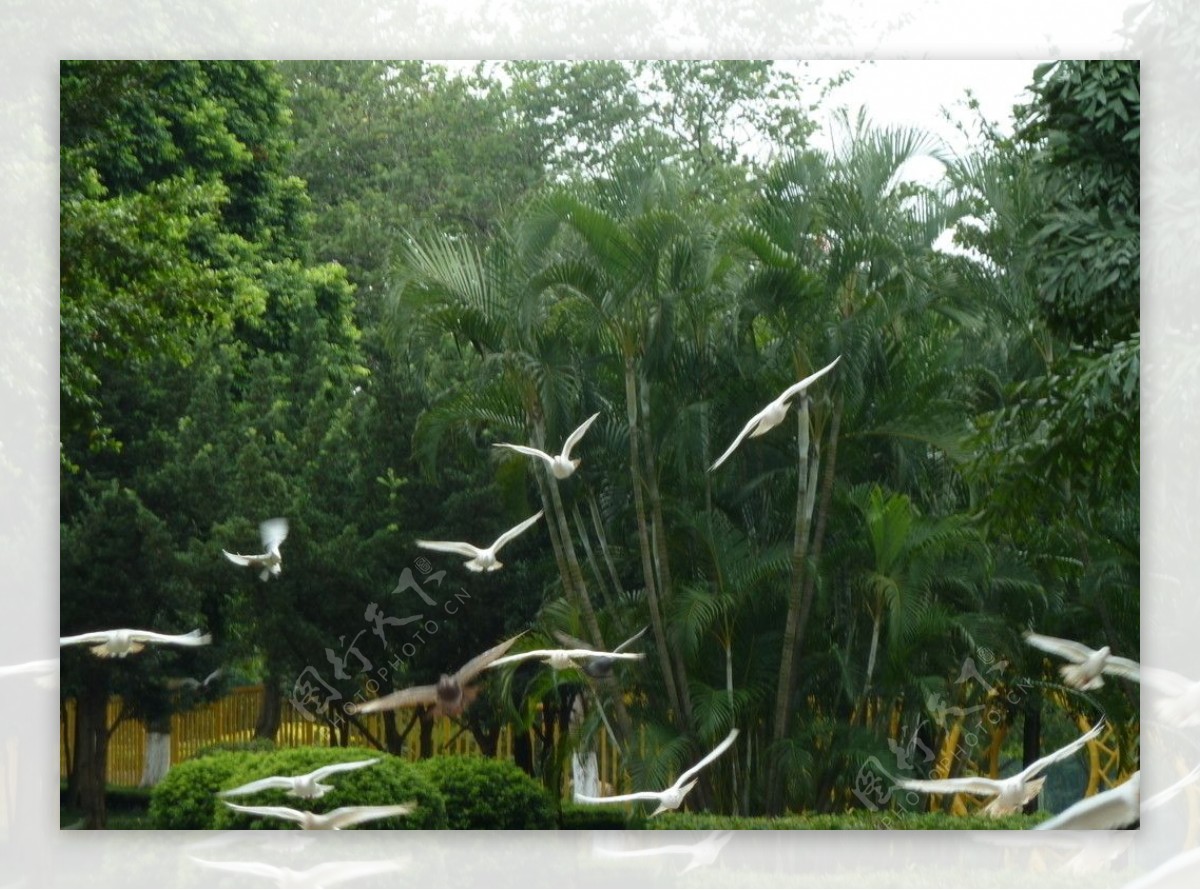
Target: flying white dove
672,797
274,532
1087,664
450,696
1010,794
119,643
44,671
1174,698
600,666
772,415
482,560
564,659
177,683
332,872
307,786
560,465
1114,808
703,853
335,820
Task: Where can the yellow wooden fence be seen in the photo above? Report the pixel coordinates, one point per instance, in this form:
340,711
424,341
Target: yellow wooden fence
232,719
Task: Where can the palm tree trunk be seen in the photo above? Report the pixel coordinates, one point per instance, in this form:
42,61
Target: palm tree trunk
871,657
605,551
662,558
606,596
635,462
783,694
818,543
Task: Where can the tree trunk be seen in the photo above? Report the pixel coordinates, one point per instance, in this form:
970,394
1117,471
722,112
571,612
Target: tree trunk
804,504
426,719
1031,738
158,751
523,750
604,548
91,749
871,657
656,622
818,543
269,710
662,560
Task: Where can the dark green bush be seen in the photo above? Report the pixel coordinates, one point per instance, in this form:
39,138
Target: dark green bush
124,799
485,793
589,816
186,797
393,780
856,820
252,745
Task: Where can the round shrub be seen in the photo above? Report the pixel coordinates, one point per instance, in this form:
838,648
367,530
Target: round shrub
391,781
485,793
186,796
253,745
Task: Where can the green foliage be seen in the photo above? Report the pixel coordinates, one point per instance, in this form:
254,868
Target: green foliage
253,746
485,793
589,817
1085,120
391,781
186,796
859,820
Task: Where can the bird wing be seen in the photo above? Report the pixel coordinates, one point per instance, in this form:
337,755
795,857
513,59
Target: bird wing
620,798
525,449
750,425
459,547
1157,800
274,532
343,816
515,530
573,439
633,639
1123,667
1114,808
1165,682
404,698
269,812
804,384
191,638
963,784
259,869
239,559
96,636
260,785
1067,649
709,758
467,672
522,656
332,768
213,676
1062,753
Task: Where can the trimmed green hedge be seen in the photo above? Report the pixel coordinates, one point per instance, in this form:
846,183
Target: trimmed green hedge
594,816
485,793
392,780
852,821
253,745
186,796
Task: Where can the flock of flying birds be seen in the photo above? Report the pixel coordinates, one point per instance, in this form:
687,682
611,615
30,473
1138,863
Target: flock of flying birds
454,693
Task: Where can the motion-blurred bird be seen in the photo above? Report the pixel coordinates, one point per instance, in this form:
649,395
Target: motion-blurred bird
702,853
307,786
1009,794
772,415
335,820
1174,698
274,532
333,872
601,666
1087,664
1114,808
482,559
43,672
670,798
177,683
119,643
560,465
565,659
450,695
